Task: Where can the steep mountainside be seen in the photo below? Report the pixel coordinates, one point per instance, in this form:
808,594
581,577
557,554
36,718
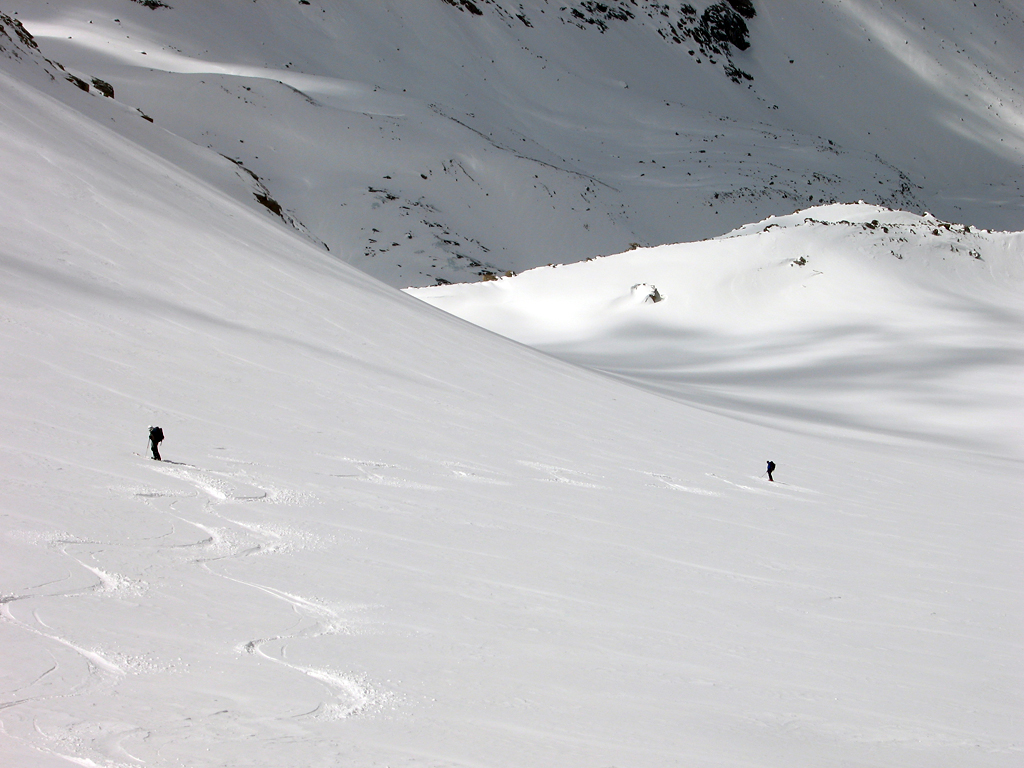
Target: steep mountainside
431,140
382,536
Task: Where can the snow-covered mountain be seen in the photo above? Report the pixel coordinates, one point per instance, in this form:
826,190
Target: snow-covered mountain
383,536
427,140
848,317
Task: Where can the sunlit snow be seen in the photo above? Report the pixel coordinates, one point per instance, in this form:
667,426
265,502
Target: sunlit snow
384,536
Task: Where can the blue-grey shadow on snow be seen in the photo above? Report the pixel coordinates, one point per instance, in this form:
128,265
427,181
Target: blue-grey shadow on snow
870,379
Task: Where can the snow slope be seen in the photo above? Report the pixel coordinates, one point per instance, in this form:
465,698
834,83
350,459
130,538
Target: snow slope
423,141
382,536
845,316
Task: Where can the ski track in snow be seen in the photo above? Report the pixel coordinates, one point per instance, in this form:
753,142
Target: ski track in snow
113,584
395,482
235,486
771,488
104,672
473,474
97,661
350,696
561,475
68,744
675,485
212,494
369,471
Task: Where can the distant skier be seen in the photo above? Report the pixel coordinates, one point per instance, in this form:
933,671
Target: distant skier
771,468
156,436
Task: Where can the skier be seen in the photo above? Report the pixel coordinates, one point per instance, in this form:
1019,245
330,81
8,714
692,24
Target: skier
771,468
156,436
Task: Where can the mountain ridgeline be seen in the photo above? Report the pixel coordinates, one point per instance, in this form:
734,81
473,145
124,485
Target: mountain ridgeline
434,141
716,30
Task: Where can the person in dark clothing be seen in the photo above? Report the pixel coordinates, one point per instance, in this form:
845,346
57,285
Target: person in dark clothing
771,468
156,436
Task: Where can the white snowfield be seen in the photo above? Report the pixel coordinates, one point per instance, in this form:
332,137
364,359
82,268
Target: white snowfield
383,536
850,317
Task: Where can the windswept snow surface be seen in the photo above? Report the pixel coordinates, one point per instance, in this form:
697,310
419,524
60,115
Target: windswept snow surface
854,318
385,537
